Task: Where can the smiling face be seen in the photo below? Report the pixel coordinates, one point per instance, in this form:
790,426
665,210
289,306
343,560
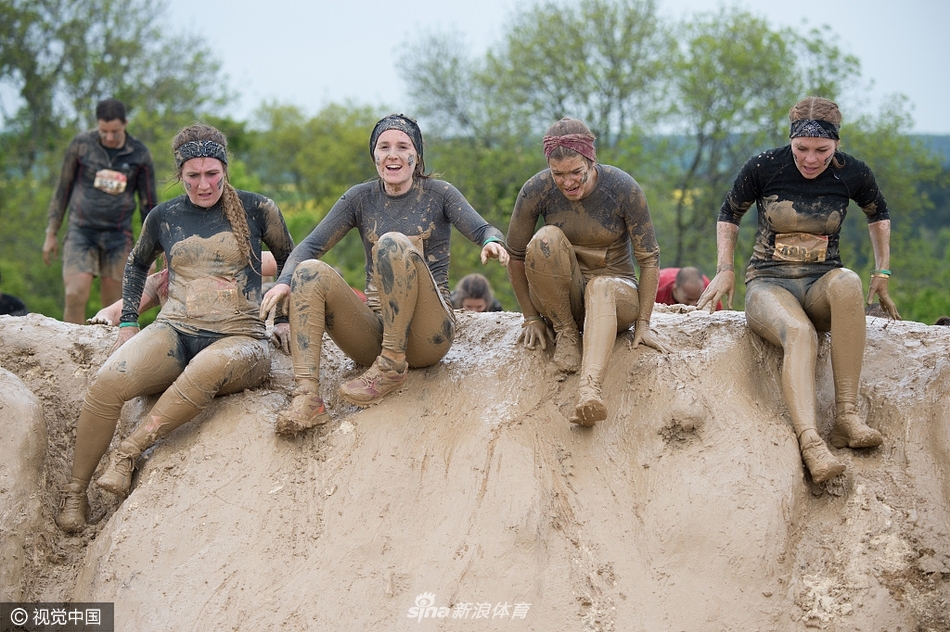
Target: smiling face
812,155
203,179
574,176
396,159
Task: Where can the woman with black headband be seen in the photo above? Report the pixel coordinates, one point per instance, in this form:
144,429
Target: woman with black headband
576,273
405,220
208,338
796,284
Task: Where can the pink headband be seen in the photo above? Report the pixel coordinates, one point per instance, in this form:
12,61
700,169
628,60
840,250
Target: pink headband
581,143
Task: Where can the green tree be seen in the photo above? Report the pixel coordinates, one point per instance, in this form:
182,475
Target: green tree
57,59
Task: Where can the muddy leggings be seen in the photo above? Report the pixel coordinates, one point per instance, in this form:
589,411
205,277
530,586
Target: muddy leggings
789,313
602,306
190,370
414,318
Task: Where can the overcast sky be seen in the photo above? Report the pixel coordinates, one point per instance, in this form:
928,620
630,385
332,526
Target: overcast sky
310,54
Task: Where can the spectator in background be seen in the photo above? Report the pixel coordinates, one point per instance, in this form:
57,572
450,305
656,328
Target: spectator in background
473,294
11,306
104,169
681,286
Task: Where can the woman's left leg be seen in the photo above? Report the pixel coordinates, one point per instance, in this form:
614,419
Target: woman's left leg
835,303
418,324
227,365
611,305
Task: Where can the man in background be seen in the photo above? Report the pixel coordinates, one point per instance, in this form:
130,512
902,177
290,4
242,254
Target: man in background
103,171
681,286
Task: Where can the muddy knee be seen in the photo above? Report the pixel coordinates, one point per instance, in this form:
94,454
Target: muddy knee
308,271
543,242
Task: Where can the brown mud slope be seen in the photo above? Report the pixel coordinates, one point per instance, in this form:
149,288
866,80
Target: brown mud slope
469,492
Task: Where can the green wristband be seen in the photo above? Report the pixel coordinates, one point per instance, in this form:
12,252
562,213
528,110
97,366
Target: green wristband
128,324
491,239
881,271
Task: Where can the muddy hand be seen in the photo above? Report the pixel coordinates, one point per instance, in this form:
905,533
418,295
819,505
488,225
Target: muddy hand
50,248
643,333
99,319
723,284
124,335
535,333
494,250
274,299
280,337
879,287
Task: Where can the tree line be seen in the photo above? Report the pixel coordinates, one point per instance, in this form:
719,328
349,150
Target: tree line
679,105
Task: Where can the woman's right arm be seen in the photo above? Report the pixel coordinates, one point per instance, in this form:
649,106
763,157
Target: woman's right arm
724,283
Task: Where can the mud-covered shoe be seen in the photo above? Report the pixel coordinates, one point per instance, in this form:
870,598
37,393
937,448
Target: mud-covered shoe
567,349
821,464
590,406
117,478
851,431
73,508
305,411
382,378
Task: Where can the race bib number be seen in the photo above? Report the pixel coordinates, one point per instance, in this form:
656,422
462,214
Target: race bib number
110,181
800,247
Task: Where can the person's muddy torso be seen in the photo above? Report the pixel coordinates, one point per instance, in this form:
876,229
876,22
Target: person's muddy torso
607,229
799,220
425,214
211,285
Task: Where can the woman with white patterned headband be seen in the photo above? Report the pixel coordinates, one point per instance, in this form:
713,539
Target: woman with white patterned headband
208,338
796,283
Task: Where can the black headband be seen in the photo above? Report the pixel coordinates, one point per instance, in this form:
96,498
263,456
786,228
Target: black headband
813,128
403,124
200,149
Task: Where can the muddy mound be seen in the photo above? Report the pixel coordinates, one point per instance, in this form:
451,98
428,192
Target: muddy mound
468,495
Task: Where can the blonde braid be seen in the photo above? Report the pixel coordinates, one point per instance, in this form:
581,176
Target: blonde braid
235,213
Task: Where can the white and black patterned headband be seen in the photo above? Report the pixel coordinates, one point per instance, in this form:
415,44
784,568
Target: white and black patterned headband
813,128
200,149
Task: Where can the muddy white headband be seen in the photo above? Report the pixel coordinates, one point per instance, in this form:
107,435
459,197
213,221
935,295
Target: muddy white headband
200,149
813,128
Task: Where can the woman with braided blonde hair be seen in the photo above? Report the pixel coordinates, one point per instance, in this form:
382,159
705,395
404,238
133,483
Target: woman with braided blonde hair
796,283
208,338
576,274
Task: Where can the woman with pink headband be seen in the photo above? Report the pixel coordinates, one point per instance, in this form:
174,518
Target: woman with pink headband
576,273
796,283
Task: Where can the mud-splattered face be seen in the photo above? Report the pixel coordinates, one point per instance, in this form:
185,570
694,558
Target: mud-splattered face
396,160
573,176
204,181
474,304
111,133
812,155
